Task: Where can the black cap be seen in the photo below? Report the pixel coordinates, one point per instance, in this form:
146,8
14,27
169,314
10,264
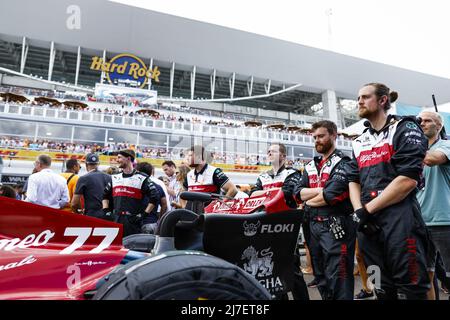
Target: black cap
128,153
92,158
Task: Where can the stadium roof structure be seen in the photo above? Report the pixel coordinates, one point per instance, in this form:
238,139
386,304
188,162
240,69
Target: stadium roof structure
254,64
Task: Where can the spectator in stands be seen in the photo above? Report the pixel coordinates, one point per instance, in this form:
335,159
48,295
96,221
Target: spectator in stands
7,191
90,188
71,176
45,187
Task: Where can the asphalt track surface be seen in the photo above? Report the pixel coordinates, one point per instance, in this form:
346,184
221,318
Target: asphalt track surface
314,293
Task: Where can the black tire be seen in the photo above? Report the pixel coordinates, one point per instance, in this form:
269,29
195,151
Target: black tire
181,275
141,242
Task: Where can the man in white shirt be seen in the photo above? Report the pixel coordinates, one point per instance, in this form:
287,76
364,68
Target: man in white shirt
45,187
170,169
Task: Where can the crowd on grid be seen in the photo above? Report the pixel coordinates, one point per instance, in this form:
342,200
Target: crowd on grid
102,194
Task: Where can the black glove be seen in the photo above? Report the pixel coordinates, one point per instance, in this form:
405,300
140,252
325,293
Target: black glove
288,188
366,225
361,216
108,214
290,200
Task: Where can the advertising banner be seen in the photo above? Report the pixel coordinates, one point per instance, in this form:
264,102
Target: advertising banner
14,179
126,69
30,155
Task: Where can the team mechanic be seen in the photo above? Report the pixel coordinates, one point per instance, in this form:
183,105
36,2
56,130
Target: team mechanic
286,178
205,178
324,190
384,175
126,191
275,177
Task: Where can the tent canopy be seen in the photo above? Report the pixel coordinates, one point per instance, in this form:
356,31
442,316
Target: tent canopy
50,101
278,126
7,96
75,104
253,124
148,111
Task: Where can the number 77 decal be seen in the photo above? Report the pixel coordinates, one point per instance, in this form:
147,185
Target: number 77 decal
83,234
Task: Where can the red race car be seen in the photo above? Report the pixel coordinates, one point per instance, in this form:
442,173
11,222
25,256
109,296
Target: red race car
51,254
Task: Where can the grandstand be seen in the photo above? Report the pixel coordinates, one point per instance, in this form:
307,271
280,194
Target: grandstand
235,96
162,134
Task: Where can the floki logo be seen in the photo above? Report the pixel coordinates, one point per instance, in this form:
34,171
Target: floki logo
278,228
126,68
251,229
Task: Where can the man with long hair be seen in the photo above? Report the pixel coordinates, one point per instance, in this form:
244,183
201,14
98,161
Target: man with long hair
383,178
